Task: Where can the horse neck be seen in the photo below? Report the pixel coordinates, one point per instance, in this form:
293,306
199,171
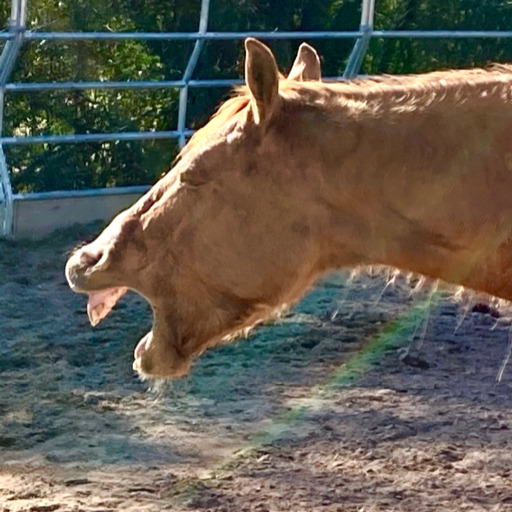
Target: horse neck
425,191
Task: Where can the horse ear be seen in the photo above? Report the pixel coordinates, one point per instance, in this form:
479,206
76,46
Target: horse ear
262,78
306,65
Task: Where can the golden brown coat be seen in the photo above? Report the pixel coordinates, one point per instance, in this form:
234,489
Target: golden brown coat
293,178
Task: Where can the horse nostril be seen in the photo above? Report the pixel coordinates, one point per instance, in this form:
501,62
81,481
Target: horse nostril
90,258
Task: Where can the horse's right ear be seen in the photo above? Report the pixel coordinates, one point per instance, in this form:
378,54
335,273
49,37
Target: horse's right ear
306,65
262,78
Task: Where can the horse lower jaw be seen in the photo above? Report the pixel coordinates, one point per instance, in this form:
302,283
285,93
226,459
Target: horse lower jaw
156,359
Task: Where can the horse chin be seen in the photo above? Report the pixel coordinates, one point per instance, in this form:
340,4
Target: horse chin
154,358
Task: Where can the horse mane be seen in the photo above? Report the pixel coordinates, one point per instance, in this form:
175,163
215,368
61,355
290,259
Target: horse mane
225,112
385,93
382,92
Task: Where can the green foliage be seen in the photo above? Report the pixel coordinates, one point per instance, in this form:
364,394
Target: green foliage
71,166
419,55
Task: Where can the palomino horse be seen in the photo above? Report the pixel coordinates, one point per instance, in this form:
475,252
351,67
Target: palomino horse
295,177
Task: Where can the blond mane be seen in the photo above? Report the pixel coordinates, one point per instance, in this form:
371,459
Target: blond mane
227,111
379,93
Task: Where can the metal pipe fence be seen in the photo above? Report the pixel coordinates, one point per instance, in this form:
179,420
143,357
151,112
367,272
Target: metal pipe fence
17,33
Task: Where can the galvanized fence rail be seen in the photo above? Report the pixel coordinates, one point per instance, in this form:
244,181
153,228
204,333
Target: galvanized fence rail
17,33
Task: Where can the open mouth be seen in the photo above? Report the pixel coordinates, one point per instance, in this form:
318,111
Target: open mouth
100,304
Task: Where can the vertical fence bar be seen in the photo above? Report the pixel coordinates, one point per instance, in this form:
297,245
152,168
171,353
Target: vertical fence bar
10,51
6,197
366,27
187,75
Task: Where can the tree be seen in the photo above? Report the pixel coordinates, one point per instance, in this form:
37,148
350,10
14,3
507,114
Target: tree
67,166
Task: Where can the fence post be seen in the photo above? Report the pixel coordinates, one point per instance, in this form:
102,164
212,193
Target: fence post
192,62
10,51
366,27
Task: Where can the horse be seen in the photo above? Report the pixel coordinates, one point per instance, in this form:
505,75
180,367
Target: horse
295,177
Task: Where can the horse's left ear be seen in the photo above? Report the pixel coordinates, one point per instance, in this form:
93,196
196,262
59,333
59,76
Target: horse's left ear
306,65
262,78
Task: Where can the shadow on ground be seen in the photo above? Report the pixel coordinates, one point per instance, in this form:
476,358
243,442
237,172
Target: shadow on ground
315,412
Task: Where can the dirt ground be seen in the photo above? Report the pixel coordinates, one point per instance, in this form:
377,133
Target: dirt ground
325,410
